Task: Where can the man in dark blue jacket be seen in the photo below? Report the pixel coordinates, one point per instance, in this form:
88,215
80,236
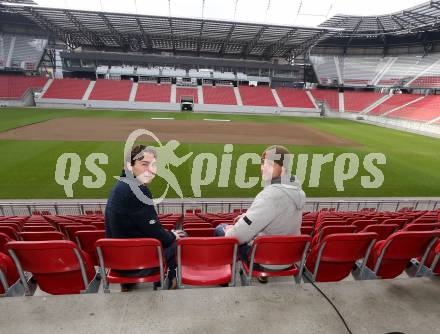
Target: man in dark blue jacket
130,212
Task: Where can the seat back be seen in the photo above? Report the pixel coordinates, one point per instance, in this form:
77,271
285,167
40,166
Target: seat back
405,245
362,223
71,230
200,232
41,236
15,226
196,225
40,228
395,221
99,225
129,254
382,230
207,252
333,229
86,241
9,231
58,266
8,273
278,250
421,227
4,239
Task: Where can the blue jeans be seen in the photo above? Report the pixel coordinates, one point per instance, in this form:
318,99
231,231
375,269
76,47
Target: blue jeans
243,250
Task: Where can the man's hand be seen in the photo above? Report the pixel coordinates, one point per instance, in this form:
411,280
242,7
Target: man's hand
178,234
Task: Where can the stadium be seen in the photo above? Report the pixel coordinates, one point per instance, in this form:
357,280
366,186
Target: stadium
209,87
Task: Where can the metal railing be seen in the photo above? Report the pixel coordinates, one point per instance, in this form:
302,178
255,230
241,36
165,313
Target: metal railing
23,208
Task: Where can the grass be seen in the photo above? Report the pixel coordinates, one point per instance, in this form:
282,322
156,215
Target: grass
27,169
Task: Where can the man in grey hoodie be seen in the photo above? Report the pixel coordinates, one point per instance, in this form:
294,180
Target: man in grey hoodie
276,210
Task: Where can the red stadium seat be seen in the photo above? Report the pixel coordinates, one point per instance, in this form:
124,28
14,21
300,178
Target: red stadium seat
86,242
58,267
196,225
390,257
71,230
98,225
200,232
40,228
206,261
9,231
421,227
41,236
382,230
433,259
277,250
15,226
332,229
4,239
362,223
395,221
9,278
308,230
335,256
130,254
168,227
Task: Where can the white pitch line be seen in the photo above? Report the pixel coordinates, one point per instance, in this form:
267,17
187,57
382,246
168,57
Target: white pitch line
162,118
216,120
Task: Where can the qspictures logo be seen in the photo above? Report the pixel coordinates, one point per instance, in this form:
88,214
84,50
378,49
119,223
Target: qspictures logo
207,168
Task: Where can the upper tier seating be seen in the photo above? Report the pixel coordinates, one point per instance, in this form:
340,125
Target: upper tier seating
67,89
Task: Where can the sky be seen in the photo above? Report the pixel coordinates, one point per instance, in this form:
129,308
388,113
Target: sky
285,12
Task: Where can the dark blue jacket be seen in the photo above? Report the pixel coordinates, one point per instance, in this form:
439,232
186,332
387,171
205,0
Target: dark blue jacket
128,217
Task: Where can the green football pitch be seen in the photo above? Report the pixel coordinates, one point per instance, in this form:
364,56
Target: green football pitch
27,169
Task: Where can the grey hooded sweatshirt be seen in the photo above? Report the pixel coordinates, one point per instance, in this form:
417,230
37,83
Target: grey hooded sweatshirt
277,210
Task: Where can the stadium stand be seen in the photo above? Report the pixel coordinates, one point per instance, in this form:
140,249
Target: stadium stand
358,101
181,92
426,109
150,92
329,96
111,90
14,86
67,89
294,98
219,95
257,96
395,101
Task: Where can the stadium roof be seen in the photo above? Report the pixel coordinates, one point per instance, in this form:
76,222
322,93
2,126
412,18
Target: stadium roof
424,17
166,33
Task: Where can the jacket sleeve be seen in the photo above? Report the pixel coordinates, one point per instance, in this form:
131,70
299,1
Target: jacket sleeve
261,213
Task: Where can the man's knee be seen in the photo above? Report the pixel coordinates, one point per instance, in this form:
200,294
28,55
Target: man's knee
220,230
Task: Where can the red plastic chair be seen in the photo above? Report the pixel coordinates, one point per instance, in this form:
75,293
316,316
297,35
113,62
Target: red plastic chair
382,230
9,231
4,239
196,225
306,230
86,241
58,266
98,225
41,236
334,257
168,227
390,257
433,259
395,221
40,228
363,223
71,230
130,254
332,229
421,227
9,278
277,250
200,232
206,261
425,220
15,226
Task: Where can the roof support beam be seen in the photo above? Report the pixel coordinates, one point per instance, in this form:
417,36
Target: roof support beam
145,37
90,36
409,14
248,48
356,28
426,16
272,49
199,40
170,21
227,40
112,29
